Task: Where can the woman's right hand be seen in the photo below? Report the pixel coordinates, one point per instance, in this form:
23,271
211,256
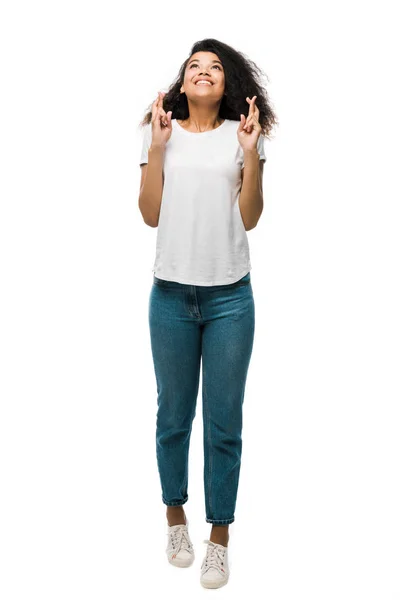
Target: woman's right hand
161,126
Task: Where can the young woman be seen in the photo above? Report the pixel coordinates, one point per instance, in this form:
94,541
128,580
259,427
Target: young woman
202,166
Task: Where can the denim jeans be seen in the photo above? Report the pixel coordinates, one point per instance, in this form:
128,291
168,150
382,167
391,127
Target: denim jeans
216,324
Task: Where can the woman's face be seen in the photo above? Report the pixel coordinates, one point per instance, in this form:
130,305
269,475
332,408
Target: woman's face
204,65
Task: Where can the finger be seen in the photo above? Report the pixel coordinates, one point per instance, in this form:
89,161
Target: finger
253,125
249,123
160,99
157,112
162,115
256,111
157,100
242,122
166,122
154,108
252,102
251,112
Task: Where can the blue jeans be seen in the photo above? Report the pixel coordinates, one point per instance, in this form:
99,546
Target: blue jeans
216,324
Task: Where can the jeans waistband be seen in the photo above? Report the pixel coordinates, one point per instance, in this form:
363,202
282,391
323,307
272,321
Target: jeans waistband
245,280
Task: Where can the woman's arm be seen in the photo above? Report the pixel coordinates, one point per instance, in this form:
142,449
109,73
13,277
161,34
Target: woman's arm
151,186
251,200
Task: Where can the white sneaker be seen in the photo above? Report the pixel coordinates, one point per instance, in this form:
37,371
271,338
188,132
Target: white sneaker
180,548
215,568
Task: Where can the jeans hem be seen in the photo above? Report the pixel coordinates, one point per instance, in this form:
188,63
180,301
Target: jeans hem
177,503
220,521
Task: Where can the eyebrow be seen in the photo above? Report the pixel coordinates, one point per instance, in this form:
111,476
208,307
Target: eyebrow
197,60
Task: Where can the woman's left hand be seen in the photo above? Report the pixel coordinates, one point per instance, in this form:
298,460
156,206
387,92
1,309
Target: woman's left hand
249,129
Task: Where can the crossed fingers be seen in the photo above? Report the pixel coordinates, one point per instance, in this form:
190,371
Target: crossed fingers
253,114
160,108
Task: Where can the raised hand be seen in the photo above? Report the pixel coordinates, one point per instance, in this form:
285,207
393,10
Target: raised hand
249,129
161,126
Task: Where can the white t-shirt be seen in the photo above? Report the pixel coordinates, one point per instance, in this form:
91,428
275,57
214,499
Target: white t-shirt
201,239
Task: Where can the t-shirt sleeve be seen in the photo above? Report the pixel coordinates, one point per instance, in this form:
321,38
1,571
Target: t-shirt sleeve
146,143
260,150
260,147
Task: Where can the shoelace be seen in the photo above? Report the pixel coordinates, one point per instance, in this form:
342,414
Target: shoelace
180,539
214,558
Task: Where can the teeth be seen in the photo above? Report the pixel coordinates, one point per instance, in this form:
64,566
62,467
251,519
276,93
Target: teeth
203,83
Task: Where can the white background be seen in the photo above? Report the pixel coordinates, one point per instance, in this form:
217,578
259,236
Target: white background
317,512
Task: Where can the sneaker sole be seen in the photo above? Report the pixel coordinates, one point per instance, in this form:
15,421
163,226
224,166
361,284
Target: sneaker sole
213,585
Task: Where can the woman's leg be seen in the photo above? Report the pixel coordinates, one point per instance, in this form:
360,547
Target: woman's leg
176,349
227,343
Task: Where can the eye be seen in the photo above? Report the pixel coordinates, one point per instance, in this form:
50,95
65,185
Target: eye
195,65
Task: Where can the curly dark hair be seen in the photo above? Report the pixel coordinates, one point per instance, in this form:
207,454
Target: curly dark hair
242,78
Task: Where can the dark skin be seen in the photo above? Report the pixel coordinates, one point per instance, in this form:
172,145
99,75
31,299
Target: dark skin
219,533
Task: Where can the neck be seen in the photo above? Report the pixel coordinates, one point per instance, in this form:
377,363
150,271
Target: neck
202,119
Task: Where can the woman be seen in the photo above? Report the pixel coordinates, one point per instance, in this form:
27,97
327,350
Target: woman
202,165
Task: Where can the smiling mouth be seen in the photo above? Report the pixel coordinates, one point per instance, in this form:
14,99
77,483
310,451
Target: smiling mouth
203,83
